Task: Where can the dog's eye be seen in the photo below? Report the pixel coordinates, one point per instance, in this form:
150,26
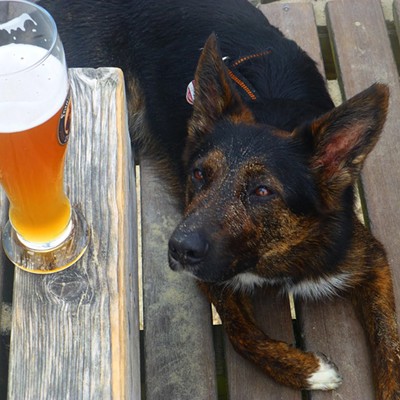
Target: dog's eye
262,191
198,175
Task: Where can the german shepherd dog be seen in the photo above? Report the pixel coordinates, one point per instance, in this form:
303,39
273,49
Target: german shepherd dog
265,163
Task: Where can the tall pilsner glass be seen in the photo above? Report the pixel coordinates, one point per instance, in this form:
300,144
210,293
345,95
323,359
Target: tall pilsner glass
44,233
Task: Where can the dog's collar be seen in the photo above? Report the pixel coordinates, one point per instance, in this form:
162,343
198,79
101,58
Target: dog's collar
242,83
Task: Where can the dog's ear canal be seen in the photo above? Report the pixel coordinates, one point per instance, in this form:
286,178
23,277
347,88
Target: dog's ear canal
215,95
342,138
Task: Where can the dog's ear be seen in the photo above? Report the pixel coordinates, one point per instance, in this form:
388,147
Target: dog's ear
215,95
344,137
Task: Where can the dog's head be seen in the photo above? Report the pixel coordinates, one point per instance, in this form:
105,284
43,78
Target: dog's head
257,196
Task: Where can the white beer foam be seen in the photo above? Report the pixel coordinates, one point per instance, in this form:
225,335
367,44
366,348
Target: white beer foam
16,23
32,95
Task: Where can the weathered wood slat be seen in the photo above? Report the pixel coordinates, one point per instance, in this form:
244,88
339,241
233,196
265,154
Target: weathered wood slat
365,59
3,265
245,380
75,334
296,21
331,328
396,15
178,344
370,59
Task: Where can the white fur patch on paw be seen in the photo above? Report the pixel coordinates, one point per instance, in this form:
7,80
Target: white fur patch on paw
326,377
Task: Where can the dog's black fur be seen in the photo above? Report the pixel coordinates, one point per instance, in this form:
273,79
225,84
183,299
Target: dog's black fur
159,44
265,162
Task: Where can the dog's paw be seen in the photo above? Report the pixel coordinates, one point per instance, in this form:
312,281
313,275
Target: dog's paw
327,376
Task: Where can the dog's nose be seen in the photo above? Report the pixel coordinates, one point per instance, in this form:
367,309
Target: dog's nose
187,248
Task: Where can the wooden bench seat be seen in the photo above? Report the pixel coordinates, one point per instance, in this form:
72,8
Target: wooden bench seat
75,334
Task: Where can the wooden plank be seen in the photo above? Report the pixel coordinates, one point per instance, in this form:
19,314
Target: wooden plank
331,328
178,344
396,16
75,334
365,59
245,380
288,17
4,274
334,330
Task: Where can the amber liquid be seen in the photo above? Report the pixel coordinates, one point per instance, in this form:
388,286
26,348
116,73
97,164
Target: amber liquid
31,173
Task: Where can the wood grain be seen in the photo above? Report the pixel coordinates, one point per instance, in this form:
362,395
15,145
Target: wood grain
5,273
75,334
296,21
178,344
362,61
245,380
396,15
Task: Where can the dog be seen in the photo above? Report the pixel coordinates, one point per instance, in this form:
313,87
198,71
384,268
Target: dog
264,165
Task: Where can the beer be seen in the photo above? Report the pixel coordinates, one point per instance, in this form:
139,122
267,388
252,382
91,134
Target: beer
32,151
44,233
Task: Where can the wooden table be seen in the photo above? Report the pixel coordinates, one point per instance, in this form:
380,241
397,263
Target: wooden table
75,334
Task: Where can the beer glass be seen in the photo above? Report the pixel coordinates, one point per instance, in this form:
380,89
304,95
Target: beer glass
44,233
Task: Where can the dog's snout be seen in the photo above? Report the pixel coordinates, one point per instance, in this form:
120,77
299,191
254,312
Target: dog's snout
188,248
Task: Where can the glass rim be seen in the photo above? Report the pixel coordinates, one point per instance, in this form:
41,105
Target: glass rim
53,42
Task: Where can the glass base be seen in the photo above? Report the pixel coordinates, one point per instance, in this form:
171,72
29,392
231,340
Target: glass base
39,259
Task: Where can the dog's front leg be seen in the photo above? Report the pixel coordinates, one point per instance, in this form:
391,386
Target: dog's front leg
375,302
286,364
